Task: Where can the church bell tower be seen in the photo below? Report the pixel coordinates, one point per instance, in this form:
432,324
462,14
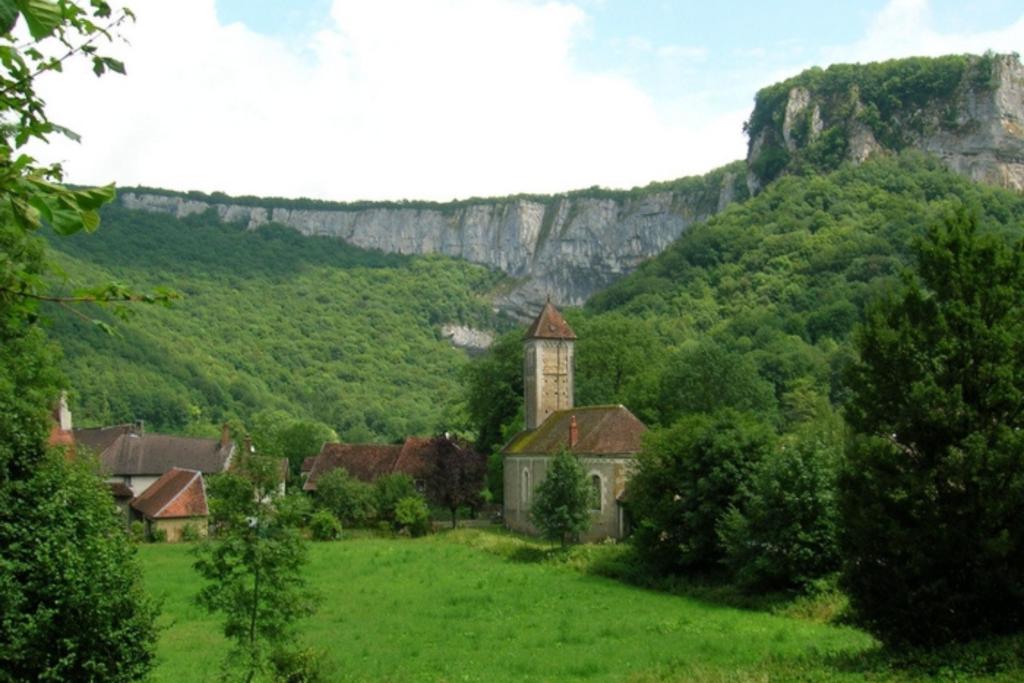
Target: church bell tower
547,366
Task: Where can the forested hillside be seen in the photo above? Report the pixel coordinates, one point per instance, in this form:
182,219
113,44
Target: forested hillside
269,319
753,309
784,277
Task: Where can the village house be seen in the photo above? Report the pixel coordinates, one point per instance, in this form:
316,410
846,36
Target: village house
130,456
604,439
367,462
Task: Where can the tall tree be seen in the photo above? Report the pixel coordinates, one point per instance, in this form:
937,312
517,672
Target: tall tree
562,500
456,474
494,390
254,568
72,605
932,496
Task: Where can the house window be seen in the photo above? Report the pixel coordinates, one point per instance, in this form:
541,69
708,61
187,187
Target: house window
595,492
524,493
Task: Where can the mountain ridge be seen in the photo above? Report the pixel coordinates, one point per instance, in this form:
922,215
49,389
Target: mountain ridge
967,110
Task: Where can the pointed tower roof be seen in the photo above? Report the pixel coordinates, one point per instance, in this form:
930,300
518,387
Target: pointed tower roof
549,325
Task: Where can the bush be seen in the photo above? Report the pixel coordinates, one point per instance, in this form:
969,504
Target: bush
785,536
324,526
687,479
137,531
412,515
190,533
351,501
157,535
389,490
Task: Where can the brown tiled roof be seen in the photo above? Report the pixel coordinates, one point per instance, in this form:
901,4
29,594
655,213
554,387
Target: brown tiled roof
602,430
178,493
307,464
414,457
549,325
123,452
365,462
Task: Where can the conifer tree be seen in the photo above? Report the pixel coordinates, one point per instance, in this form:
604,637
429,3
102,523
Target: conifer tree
933,489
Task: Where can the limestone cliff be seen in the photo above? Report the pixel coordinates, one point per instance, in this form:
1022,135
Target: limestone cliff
967,110
566,247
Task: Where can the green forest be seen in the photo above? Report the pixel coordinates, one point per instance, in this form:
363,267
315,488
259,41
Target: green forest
267,320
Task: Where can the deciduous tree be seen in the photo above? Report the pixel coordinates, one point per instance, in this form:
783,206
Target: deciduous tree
254,568
456,474
72,606
687,479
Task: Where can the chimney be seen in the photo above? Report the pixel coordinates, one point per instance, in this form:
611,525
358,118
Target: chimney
574,432
140,428
225,437
247,445
63,412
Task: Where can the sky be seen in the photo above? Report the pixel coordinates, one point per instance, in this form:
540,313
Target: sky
348,100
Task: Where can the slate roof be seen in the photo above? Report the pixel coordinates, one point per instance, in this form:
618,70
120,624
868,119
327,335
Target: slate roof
125,452
178,493
549,324
602,431
366,462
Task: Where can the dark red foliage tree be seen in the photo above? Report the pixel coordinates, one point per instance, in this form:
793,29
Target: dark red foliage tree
456,474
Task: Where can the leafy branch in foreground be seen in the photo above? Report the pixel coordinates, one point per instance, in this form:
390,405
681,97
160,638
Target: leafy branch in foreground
31,194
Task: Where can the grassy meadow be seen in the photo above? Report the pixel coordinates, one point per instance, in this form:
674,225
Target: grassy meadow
481,606
439,609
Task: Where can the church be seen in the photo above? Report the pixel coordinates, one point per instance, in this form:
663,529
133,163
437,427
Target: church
604,439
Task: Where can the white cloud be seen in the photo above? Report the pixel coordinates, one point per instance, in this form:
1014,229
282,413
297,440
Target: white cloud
400,99
904,28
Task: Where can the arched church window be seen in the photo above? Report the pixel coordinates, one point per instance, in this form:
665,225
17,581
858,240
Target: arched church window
595,492
525,492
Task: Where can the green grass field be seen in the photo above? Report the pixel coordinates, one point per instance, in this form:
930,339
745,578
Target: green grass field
437,609
475,606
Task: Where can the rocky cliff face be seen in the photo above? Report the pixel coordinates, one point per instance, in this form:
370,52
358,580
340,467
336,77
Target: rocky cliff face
968,111
565,248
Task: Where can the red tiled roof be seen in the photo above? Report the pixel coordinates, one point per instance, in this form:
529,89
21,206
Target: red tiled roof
414,457
178,493
601,430
365,462
549,325
123,452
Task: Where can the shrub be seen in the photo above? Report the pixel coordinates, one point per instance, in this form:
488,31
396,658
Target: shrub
412,515
157,535
137,531
324,526
190,533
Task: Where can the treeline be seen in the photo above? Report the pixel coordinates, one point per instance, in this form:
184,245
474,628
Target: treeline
269,320
703,190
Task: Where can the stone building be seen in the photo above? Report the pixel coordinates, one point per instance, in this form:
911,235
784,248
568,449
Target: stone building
604,439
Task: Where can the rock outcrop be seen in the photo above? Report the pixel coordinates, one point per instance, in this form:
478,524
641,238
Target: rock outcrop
565,248
975,124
